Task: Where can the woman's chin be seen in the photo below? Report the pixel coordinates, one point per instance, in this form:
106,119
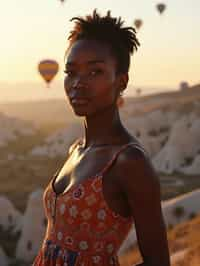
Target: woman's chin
79,112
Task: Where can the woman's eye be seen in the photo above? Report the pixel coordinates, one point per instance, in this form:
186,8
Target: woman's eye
95,72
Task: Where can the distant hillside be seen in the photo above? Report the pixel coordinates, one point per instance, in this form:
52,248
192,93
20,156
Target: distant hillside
40,112
183,242
182,100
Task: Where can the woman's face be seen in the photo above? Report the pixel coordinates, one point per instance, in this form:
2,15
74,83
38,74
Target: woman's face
91,82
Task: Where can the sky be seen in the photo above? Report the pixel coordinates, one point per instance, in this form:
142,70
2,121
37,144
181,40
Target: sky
38,29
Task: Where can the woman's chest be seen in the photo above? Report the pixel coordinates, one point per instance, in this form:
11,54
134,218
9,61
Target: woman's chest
79,167
80,170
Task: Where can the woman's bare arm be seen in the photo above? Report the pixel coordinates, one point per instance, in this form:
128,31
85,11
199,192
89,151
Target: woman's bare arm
142,188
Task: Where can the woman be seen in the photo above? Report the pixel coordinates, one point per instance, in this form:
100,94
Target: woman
107,182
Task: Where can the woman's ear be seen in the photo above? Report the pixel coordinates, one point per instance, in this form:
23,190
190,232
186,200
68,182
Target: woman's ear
123,81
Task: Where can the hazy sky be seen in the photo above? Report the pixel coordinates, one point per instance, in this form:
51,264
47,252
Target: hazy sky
38,29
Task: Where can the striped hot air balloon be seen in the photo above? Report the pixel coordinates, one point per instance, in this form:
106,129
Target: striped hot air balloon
161,7
48,69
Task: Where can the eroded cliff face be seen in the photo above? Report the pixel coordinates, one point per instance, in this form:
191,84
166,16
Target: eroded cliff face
183,242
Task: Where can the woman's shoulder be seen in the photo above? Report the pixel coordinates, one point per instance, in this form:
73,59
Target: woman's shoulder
136,163
133,150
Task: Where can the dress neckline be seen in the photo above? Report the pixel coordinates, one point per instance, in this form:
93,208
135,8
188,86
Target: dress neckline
72,187
83,183
98,175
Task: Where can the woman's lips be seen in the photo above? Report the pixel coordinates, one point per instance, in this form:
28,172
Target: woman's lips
79,101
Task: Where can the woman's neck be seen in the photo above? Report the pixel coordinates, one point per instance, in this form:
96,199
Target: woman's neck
103,128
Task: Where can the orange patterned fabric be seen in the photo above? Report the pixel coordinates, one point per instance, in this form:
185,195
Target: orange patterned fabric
82,230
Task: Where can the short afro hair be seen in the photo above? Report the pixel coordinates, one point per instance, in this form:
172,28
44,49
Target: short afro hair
110,30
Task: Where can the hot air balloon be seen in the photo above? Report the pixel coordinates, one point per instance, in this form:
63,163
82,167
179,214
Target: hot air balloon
161,7
138,23
184,85
48,69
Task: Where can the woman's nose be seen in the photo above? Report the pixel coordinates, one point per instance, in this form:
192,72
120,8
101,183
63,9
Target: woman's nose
79,82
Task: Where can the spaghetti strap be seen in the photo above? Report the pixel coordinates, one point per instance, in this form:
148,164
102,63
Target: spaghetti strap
114,157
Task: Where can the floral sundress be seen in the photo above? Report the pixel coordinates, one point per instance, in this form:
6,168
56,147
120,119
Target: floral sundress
82,230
